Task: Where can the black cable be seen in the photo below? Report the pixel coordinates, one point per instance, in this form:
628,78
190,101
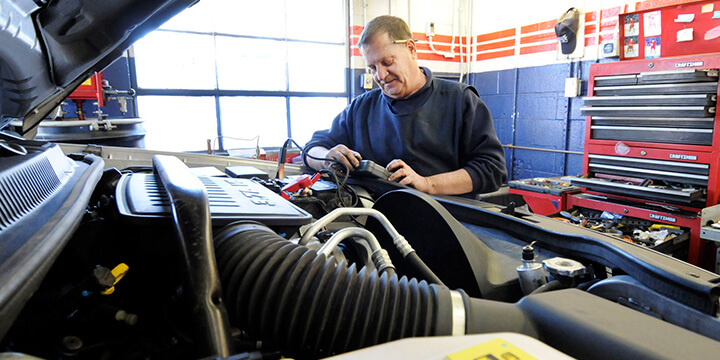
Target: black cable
424,270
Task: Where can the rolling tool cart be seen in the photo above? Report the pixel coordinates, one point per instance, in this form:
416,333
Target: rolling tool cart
652,144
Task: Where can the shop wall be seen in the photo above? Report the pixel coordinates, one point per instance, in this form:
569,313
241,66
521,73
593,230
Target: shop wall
516,66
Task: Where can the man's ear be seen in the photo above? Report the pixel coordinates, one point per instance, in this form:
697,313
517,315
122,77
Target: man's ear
410,45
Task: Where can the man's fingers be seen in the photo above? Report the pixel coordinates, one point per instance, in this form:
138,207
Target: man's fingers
395,165
352,157
347,156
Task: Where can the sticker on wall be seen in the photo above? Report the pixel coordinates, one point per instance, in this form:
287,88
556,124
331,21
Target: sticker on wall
713,33
685,18
652,47
685,35
631,46
707,8
632,25
652,24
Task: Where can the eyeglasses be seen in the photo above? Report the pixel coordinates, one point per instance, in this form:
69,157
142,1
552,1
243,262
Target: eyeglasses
402,41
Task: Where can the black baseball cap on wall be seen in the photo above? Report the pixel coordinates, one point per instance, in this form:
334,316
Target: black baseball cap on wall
566,30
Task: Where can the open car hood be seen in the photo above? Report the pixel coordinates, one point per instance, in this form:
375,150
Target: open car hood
47,48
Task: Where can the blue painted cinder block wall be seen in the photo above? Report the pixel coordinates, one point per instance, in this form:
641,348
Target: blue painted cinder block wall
530,110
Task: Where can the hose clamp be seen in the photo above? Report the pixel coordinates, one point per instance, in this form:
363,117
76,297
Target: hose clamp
402,245
382,261
458,313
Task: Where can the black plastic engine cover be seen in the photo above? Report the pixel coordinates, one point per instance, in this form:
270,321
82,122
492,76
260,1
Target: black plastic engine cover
457,256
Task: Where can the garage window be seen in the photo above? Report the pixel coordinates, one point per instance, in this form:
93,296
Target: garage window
242,73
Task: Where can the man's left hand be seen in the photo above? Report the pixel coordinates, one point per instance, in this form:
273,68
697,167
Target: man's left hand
405,175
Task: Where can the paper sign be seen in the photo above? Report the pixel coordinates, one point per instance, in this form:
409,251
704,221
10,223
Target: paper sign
685,18
685,35
707,8
631,46
632,25
651,23
652,47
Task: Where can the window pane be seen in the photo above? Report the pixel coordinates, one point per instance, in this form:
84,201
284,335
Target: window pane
178,123
316,67
245,117
311,114
255,18
199,17
318,20
251,64
168,60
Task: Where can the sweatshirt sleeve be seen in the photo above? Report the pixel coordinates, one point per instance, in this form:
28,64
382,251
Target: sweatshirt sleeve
483,155
338,133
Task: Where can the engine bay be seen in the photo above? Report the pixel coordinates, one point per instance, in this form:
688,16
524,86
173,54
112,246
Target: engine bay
166,262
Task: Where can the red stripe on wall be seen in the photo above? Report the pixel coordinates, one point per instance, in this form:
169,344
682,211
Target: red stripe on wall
590,29
604,37
537,38
591,16
496,35
550,24
590,41
441,48
495,54
355,52
538,48
353,41
646,5
608,25
496,45
439,38
606,13
356,30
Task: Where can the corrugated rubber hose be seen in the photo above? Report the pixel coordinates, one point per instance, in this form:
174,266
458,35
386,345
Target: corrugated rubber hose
308,306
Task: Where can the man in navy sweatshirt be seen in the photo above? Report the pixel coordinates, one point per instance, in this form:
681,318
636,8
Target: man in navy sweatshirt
433,134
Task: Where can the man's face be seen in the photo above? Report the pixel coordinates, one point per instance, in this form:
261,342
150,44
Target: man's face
391,65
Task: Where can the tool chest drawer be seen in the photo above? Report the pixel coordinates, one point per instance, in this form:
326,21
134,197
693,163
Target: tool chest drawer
674,107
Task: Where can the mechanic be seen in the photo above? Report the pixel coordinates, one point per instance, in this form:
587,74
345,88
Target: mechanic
434,135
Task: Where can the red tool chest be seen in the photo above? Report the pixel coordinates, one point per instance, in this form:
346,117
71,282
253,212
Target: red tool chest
652,143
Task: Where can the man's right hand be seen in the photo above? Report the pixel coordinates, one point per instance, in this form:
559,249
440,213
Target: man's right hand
340,153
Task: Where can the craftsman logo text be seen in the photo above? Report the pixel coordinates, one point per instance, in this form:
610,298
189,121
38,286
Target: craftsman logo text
689,64
683,157
663,218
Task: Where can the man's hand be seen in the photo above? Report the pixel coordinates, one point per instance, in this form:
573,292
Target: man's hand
449,183
405,175
345,155
339,153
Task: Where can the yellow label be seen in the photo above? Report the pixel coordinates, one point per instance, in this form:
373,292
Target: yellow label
497,349
707,8
87,82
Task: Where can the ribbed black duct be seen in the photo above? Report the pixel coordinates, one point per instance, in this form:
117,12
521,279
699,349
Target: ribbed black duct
309,306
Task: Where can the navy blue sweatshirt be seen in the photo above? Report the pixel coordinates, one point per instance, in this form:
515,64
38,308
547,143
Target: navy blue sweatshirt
442,127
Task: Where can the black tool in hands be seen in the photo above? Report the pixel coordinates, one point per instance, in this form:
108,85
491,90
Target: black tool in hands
369,168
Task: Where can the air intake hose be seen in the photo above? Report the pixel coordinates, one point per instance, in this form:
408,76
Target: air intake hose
308,306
